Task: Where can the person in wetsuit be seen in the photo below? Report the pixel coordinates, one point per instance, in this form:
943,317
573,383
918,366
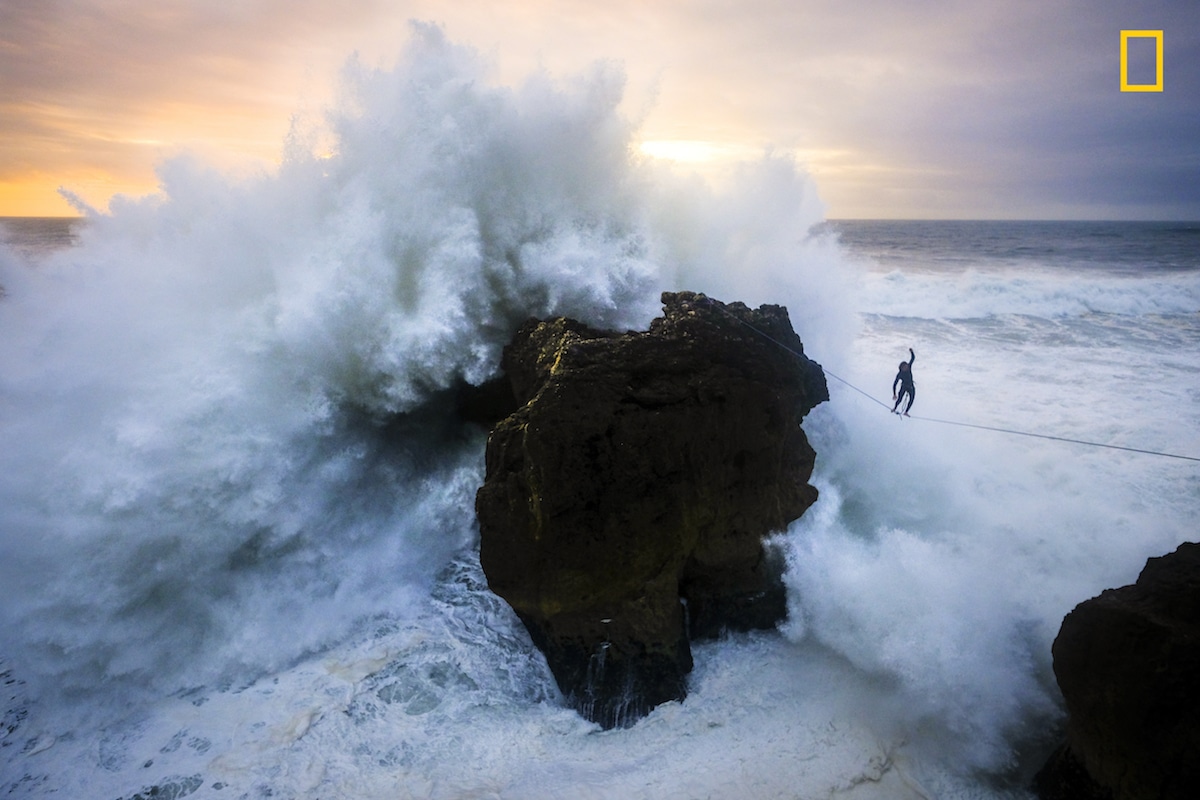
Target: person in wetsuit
905,381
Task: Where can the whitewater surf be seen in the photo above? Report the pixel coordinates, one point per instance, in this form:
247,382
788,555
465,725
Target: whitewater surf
237,542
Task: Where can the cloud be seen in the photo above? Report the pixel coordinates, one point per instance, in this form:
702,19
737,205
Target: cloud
94,94
1016,110
928,107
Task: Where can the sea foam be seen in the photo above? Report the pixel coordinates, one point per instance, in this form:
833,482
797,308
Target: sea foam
222,425
236,527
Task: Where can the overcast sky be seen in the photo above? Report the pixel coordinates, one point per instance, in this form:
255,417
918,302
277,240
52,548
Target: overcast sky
899,108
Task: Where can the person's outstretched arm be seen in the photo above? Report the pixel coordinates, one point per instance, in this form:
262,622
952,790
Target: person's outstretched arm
911,357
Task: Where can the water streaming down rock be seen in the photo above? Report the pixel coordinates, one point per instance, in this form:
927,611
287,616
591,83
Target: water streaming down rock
627,500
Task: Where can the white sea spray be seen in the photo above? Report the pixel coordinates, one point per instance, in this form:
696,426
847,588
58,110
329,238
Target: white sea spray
236,527
224,443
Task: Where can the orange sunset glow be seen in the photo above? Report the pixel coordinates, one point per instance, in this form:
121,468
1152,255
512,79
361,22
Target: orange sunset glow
896,110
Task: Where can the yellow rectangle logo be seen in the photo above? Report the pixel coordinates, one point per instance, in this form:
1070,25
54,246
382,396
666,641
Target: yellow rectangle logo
1157,86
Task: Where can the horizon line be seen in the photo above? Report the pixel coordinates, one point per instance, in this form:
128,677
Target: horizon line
1186,220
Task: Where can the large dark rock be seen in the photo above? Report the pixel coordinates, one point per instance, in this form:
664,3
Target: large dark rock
627,500
1128,664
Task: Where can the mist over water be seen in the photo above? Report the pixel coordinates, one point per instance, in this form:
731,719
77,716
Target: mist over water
945,558
226,445
237,537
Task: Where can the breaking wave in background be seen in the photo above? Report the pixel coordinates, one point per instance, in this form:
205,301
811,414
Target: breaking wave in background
237,537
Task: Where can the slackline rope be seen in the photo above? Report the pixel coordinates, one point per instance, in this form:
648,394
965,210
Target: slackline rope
870,397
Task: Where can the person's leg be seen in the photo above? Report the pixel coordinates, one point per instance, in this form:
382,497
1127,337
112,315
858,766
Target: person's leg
912,395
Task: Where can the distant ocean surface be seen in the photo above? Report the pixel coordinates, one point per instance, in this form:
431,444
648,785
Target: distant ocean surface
237,542
36,237
1134,247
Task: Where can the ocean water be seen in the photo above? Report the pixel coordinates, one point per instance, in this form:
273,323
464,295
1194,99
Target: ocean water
237,543
32,238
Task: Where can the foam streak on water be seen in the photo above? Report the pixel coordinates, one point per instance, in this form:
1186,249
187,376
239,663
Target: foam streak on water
237,544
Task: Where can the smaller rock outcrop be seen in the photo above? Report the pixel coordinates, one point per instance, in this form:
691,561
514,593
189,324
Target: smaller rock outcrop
1128,665
627,499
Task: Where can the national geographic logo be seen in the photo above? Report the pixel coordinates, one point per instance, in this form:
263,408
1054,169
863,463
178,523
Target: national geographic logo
1157,86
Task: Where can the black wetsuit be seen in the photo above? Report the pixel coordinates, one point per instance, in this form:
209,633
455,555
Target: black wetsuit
904,380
